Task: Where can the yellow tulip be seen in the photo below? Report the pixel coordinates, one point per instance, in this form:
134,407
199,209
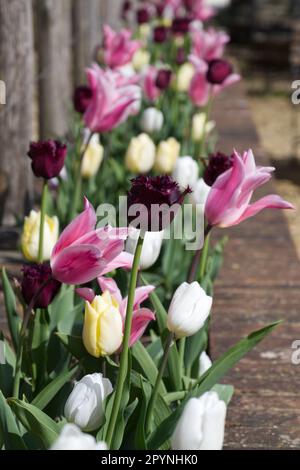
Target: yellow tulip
140,154
184,77
103,326
31,234
198,126
92,158
166,155
140,59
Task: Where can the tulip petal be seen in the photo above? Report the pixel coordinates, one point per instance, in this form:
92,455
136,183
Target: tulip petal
272,201
141,294
140,321
123,260
107,283
86,294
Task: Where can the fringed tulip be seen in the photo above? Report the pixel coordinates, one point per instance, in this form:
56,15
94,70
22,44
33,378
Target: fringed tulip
119,49
85,405
229,199
201,425
115,97
102,330
83,253
189,309
31,235
72,438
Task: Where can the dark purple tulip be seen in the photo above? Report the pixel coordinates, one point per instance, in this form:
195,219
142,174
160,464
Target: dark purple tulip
151,192
34,277
142,15
160,10
126,7
180,56
218,71
180,25
48,158
82,98
160,34
163,79
218,163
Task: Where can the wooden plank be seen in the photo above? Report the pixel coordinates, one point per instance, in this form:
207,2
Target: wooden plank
258,284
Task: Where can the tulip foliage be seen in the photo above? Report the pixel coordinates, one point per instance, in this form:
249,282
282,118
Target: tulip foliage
108,324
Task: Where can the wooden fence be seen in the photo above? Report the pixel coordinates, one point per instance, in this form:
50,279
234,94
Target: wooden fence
45,46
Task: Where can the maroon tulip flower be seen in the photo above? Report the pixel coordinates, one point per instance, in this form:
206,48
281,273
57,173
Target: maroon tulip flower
82,98
218,71
154,200
160,10
126,7
180,56
48,158
142,15
163,79
160,34
180,26
218,163
35,276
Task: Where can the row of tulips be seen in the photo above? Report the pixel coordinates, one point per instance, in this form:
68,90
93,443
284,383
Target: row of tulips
109,325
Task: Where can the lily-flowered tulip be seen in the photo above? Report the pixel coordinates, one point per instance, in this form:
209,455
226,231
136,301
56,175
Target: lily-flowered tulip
141,316
201,425
150,88
47,158
31,235
84,406
38,277
186,172
151,246
72,438
119,48
92,158
115,97
152,120
166,155
189,309
204,363
200,127
209,44
140,155
83,253
102,330
228,202
199,10
201,88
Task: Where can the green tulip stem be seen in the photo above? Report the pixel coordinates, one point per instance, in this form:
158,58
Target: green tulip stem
202,143
193,272
125,348
42,221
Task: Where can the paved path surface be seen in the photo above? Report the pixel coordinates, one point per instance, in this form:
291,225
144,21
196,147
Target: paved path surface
259,283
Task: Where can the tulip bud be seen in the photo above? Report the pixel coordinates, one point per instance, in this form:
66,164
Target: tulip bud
151,247
198,129
92,158
71,438
180,56
160,34
140,59
47,157
142,15
31,234
103,327
218,71
163,79
189,309
82,98
166,155
152,120
84,407
140,155
201,425
184,77
180,25
204,363
186,172
36,276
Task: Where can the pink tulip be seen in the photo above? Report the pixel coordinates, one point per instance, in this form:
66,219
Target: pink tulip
198,10
114,98
200,88
228,202
119,49
141,316
83,253
149,85
208,44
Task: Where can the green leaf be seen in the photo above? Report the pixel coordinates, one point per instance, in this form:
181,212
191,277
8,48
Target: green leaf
7,367
194,345
140,435
10,435
39,344
13,319
61,310
75,346
225,392
161,314
219,368
49,392
146,364
35,421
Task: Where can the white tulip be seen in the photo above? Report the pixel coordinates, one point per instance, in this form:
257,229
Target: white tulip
204,363
84,406
151,246
201,425
186,172
189,308
152,120
71,438
200,192
201,127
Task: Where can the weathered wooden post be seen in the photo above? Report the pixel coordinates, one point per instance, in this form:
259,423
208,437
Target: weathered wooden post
111,12
16,105
54,46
